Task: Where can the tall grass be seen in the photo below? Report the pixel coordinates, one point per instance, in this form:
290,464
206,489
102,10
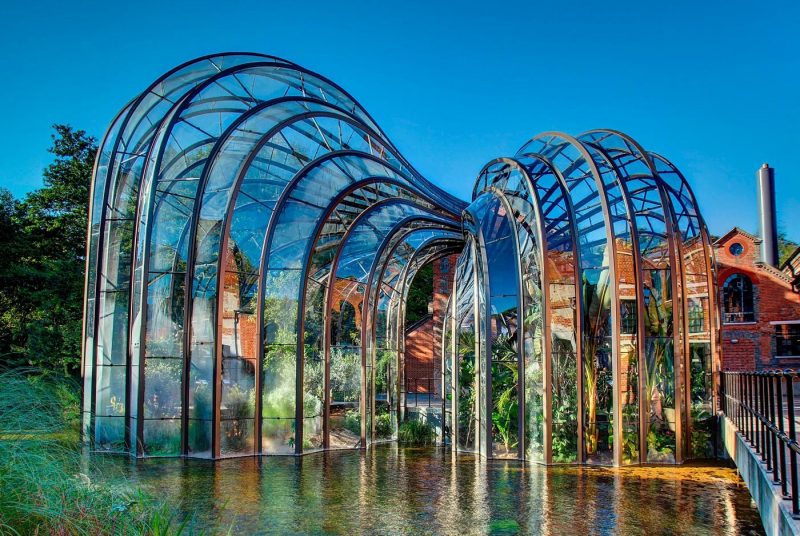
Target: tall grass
45,487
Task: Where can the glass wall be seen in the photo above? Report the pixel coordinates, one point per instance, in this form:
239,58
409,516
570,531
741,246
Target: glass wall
466,377
251,241
610,263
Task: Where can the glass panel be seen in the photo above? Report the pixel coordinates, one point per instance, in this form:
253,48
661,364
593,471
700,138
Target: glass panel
313,396
162,437
200,433
467,377
109,433
701,444
660,380
165,315
345,393
279,398
565,381
502,331
110,398
385,398
162,388
113,328
597,365
237,409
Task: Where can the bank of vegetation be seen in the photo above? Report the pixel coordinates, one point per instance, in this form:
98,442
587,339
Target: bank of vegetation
47,486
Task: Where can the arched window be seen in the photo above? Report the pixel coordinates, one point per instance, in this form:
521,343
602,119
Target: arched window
737,299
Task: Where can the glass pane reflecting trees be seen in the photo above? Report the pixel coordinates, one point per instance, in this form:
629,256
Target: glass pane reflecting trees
252,239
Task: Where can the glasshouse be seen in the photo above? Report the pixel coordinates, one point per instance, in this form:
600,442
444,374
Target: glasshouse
253,236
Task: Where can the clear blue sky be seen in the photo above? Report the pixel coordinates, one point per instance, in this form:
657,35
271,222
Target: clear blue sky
712,85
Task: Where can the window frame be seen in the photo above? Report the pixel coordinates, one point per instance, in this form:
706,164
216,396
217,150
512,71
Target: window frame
747,315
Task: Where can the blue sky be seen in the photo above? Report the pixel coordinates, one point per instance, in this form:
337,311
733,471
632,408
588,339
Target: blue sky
714,86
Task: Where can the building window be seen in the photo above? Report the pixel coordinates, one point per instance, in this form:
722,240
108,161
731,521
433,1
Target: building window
737,299
736,249
445,265
627,316
787,340
444,286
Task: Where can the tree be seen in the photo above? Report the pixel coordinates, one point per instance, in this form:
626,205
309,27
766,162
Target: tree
785,247
419,294
41,289
8,245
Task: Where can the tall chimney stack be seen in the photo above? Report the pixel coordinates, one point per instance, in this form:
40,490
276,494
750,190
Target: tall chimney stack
766,215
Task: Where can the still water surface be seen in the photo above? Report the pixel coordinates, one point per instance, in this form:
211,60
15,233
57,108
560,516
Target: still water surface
394,490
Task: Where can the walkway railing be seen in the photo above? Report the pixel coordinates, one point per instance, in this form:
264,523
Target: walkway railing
762,406
416,398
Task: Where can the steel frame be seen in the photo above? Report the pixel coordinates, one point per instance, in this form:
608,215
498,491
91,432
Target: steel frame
596,192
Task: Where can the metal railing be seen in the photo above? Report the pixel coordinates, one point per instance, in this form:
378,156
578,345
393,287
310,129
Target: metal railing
412,389
762,406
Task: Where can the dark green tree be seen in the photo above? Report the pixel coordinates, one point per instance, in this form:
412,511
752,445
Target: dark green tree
785,247
9,239
419,294
42,283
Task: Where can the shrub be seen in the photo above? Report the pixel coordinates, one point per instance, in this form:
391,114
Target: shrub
416,433
383,426
352,421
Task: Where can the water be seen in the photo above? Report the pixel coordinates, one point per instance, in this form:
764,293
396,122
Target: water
394,490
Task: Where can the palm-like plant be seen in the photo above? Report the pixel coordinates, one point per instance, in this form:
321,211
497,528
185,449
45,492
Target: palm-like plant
505,382
658,319
466,383
596,302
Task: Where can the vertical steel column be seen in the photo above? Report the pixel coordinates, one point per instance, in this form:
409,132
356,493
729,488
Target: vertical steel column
456,325
793,441
486,338
478,334
774,437
754,423
764,420
782,447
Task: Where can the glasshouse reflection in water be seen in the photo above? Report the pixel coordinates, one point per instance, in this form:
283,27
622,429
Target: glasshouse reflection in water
391,490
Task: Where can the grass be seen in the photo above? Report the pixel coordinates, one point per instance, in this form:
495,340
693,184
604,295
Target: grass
45,487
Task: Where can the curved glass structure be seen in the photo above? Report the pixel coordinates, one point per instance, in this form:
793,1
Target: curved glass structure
252,238
583,328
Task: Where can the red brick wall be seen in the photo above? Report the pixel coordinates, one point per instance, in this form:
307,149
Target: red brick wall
423,345
748,346
420,358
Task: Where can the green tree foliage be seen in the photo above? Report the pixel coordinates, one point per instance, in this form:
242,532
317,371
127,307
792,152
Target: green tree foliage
785,247
43,237
419,294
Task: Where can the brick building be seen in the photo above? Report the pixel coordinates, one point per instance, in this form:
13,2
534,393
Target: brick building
423,348
759,307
